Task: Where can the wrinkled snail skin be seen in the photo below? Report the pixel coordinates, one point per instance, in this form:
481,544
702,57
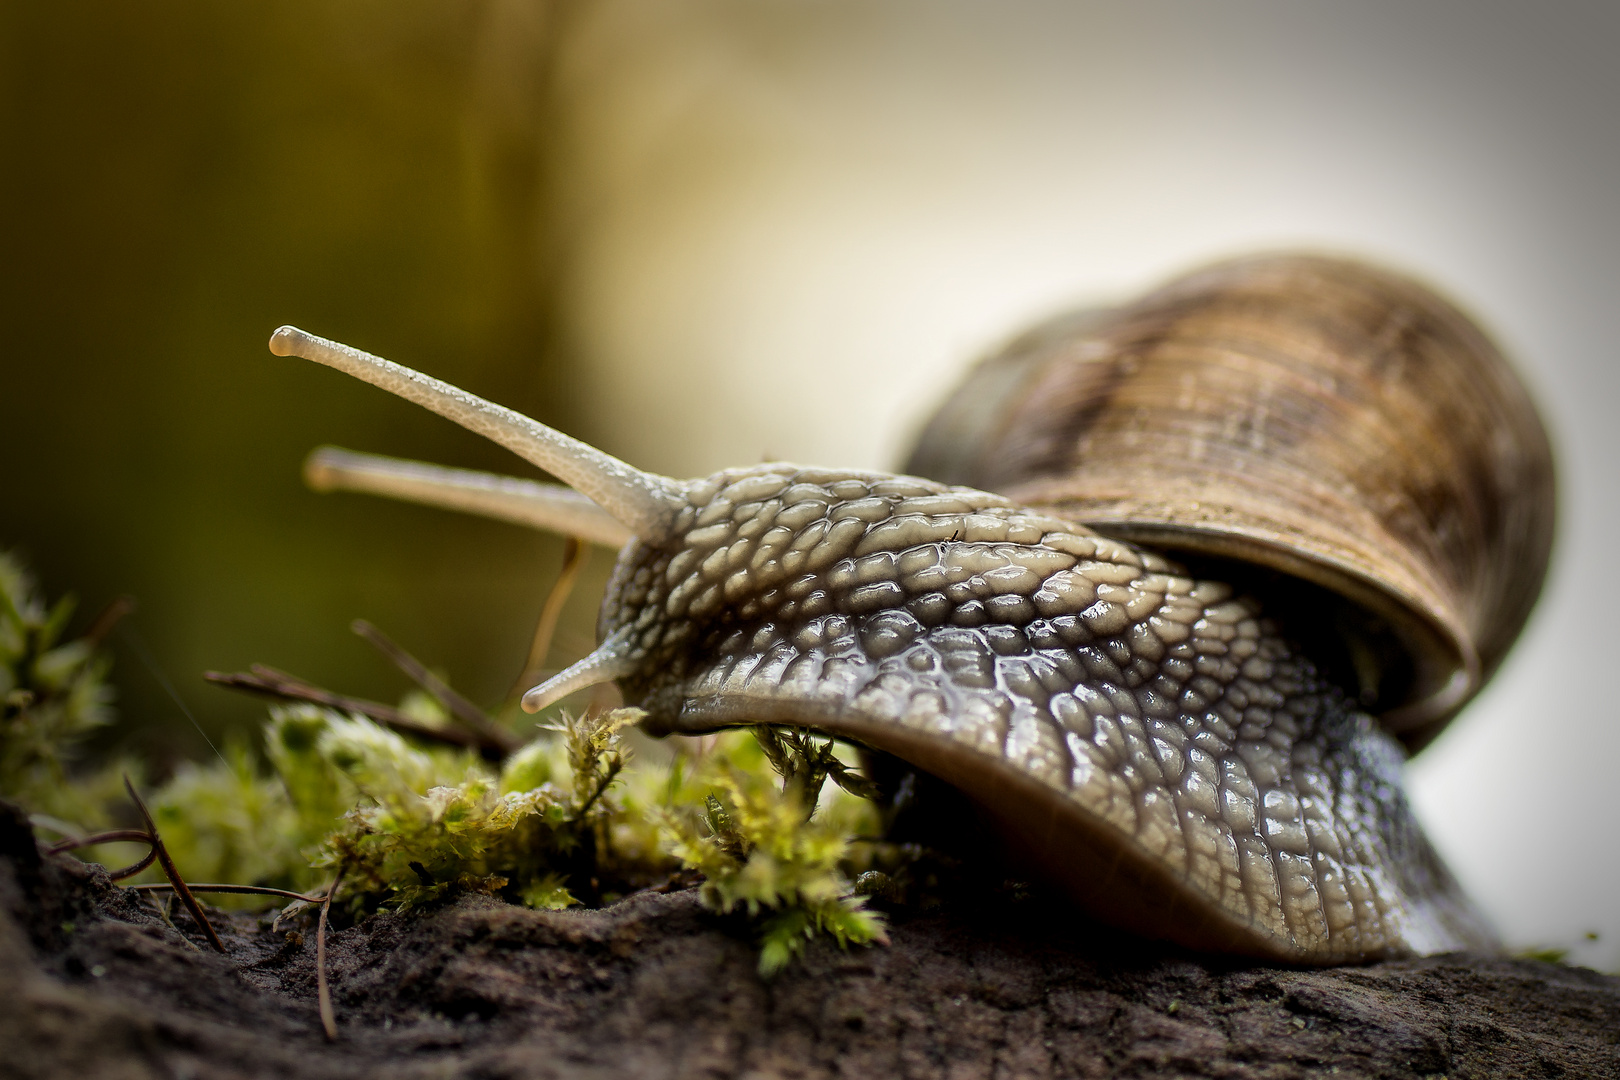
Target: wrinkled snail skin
1166,755
1164,749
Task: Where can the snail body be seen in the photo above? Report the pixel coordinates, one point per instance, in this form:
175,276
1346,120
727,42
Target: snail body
1159,746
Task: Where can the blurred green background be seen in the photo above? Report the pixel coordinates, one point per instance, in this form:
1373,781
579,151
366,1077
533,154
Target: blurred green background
183,177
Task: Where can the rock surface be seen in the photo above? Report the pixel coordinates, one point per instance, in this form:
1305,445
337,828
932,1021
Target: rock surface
96,985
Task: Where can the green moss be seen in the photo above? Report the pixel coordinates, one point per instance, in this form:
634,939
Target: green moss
424,824
230,823
773,853
53,695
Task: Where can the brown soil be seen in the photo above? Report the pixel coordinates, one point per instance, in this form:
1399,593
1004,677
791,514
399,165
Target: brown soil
95,985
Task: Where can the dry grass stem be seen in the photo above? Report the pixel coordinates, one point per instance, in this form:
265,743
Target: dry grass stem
246,890
278,684
470,715
323,989
171,872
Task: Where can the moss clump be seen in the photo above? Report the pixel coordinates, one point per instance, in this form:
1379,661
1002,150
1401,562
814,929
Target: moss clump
772,852
53,695
227,822
428,825
569,818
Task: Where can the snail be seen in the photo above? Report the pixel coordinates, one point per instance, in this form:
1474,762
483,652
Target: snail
1186,576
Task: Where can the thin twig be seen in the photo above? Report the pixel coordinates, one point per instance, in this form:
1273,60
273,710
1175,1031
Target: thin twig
323,990
575,555
470,715
169,869
251,890
114,836
110,616
278,684
133,868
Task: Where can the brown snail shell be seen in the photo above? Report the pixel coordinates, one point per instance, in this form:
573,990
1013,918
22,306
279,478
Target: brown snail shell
1187,767
1334,422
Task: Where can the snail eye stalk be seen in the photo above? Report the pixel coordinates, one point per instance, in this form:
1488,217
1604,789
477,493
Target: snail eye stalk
613,659
549,507
645,503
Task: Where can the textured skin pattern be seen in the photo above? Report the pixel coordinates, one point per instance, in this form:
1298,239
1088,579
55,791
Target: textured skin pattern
1164,714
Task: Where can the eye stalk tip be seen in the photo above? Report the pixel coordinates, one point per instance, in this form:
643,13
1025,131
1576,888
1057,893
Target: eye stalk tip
610,661
286,340
319,473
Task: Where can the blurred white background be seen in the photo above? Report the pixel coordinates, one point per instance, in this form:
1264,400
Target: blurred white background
793,224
